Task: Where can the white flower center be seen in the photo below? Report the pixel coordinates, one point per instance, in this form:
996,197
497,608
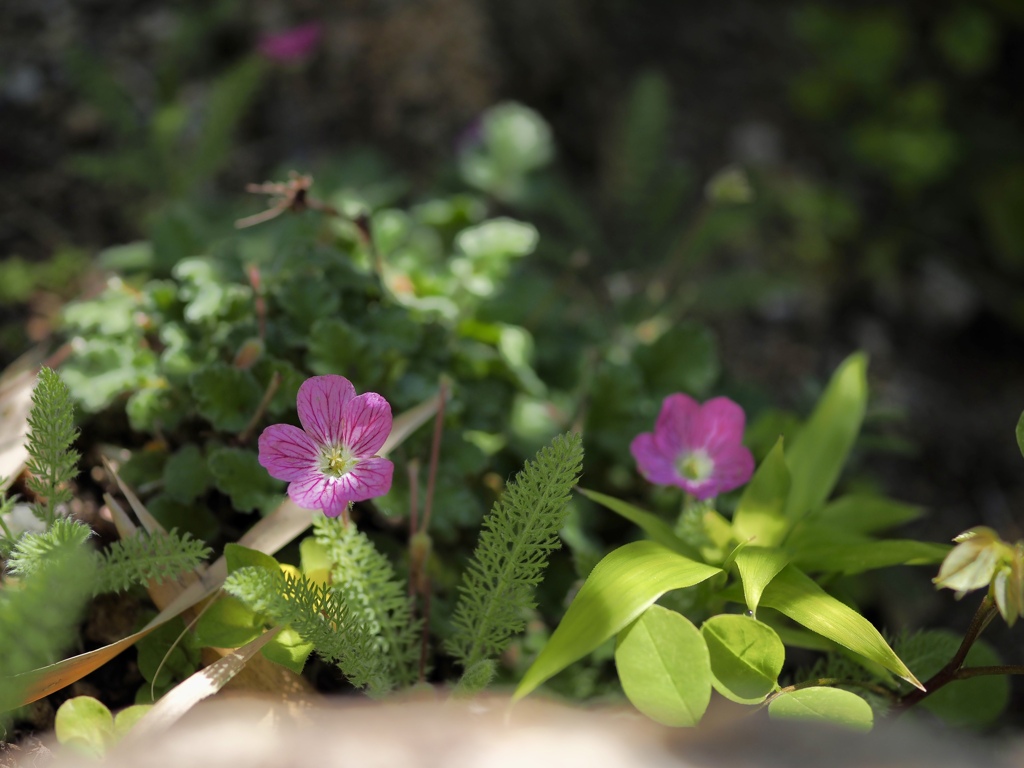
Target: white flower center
336,460
696,465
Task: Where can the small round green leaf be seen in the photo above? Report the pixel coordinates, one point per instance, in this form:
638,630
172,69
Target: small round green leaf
288,649
85,724
746,657
127,717
664,667
824,705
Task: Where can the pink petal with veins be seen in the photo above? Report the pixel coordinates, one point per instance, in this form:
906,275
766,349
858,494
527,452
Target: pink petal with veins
321,404
367,419
287,452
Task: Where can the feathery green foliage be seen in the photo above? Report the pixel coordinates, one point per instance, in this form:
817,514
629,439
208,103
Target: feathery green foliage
136,560
141,559
7,539
33,550
39,616
52,460
318,614
498,586
376,602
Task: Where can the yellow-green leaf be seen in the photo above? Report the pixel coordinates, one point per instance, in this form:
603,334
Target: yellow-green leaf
760,514
757,567
793,593
656,528
621,587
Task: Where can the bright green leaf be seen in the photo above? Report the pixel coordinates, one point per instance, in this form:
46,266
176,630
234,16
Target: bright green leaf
499,238
85,724
799,598
819,451
746,657
824,705
228,623
760,515
236,556
288,649
621,587
127,717
757,567
664,668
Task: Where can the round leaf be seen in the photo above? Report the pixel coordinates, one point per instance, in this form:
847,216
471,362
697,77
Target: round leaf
228,623
824,705
664,668
746,657
85,724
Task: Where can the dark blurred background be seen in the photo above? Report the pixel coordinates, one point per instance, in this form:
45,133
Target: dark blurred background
883,142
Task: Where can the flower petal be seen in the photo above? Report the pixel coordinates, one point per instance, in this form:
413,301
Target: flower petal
368,479
287,452
718,424
367,424
320,403
734,466
654,464
674,429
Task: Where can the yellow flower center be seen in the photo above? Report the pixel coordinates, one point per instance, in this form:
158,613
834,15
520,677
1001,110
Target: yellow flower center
696,466
336,460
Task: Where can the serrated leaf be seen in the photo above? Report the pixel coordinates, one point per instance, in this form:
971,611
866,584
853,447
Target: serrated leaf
746,657
237,472
824,705
656,528
798,597
757,567
621,587
663,666
819,451
226,397
972,703
186,474
760,513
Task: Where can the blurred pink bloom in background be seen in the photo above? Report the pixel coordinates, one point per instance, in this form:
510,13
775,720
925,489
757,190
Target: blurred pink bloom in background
332,460
292,44
698,448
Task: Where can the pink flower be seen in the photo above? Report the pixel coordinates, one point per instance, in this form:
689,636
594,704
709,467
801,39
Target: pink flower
331,461
292,44
696,447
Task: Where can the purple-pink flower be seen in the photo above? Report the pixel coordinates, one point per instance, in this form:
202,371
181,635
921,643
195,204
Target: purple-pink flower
292,44
332,460
698,448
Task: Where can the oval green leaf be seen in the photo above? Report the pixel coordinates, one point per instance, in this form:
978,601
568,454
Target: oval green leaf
757,567
866,513
85,724
819,451
824,705
621,587
760,514
127,717
228,623
288,649
797,596
746,657
664,667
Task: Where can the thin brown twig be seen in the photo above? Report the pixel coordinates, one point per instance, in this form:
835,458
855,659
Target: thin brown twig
272,387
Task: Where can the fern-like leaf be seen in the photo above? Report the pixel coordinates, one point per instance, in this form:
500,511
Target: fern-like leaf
39,616
320,616
141,559
34,550
522,530
52,462
376,601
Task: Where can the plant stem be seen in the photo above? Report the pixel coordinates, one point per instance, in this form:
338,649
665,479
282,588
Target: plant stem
953,671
